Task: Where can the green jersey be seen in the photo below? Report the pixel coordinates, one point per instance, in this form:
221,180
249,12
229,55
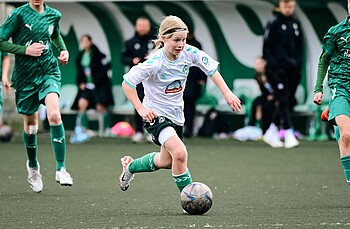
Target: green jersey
26,26
336,43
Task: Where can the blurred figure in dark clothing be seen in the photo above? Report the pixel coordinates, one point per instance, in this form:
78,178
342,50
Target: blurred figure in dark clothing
196,79
282,49
135,51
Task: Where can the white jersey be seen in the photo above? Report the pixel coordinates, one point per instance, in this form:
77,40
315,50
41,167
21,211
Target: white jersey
164,80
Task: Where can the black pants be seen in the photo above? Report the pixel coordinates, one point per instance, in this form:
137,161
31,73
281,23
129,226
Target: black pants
190,112
138,118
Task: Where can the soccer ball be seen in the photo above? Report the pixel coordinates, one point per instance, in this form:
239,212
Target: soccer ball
5,133
196,198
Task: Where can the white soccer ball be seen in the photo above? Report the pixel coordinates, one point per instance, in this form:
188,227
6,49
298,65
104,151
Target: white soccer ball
196,198
5,133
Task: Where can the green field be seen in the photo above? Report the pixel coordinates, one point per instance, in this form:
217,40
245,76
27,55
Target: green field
254,186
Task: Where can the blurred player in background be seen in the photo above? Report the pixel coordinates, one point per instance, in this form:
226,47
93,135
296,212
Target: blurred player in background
34,27
335,58
164,76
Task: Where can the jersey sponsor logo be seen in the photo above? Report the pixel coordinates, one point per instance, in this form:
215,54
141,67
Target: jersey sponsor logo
174,87
205,60
28,26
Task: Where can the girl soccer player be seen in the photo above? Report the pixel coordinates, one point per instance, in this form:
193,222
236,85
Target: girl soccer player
33,28
163,76
335,54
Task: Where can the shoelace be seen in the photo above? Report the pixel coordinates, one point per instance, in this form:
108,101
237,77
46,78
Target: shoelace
35,175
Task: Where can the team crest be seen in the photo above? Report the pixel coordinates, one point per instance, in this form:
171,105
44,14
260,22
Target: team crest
51,29
185,69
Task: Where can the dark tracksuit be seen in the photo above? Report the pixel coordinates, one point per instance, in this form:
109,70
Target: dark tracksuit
192,92
282,49
137,46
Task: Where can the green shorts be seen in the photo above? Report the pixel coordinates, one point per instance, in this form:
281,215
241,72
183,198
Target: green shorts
158,125
339,103
29,100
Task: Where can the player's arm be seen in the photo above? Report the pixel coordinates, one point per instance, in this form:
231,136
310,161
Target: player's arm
5,73
231,99
323,64
61,47
34,49
131,94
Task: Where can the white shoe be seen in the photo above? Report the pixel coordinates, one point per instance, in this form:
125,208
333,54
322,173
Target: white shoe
34,178
63,177
126,177
290,141
272,138
138,137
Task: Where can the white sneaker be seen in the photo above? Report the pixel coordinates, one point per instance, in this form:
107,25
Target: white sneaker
63,177
126,177
272,138
34,178
138,137
290,141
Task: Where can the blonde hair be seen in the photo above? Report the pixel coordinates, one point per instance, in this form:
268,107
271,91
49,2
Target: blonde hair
168,26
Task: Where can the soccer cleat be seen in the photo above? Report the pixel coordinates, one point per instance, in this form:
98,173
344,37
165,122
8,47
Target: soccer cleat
324,115
63,177
272,137
126,177
34,178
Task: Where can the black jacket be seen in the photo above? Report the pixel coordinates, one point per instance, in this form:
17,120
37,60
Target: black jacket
283,43
193,88
137,46
99,68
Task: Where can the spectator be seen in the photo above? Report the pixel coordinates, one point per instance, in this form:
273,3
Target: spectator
195,80
263,105
34,28
95,87
135,51
282,50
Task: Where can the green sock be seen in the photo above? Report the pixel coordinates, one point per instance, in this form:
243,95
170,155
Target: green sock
182,180
31,146
346,165
58,141
143,164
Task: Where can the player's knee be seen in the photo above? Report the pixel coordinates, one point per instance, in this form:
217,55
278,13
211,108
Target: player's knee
54,118
346,138
180,156
33,129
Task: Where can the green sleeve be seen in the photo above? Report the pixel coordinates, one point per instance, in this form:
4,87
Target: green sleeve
323,64
59,43
12,48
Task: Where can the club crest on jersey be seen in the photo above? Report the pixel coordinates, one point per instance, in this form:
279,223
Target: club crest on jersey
174,87
347,53
50,29
185,69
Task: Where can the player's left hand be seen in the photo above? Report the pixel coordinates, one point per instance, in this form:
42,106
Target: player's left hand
6,83
63,58
233,101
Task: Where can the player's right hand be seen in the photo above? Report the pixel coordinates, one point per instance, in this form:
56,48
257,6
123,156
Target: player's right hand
147,114
35,49
318,98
